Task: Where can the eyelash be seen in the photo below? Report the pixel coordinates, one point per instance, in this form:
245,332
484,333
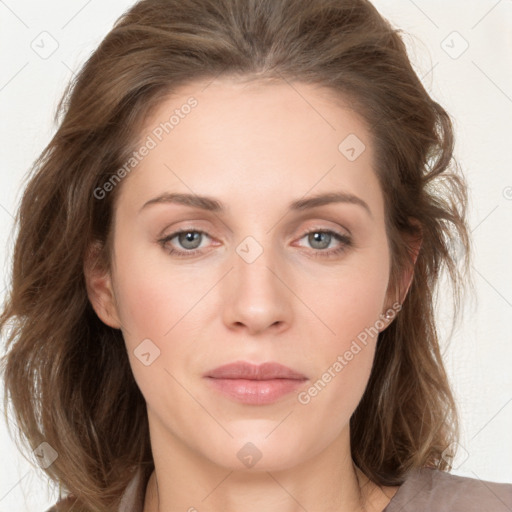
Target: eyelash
322,253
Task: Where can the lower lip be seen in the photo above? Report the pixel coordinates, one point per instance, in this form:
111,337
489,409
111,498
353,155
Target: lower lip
256,392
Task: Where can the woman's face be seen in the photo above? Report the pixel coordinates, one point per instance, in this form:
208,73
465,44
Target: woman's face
257,279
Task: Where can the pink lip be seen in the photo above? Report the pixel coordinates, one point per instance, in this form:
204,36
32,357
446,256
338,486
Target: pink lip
255,384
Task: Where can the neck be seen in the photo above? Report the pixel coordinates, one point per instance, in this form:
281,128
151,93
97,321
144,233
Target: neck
156,501
329,481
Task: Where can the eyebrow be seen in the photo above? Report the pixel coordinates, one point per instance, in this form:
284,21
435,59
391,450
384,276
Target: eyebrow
213,205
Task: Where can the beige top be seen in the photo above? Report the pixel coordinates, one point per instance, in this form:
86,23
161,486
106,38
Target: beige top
431,490
424,490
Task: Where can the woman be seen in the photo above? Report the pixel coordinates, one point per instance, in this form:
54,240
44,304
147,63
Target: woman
223,280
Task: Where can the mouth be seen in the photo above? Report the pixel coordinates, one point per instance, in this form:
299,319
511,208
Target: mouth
255,384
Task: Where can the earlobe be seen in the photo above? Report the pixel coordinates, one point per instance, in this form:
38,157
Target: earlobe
99,288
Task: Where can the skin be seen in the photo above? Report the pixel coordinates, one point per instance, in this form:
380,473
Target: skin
255,148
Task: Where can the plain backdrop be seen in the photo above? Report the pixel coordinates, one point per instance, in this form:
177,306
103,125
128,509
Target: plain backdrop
462,50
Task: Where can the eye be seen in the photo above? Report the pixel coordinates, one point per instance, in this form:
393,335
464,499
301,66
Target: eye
321,239
187,238
190,240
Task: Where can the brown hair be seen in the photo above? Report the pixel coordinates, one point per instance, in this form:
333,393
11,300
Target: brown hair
67,374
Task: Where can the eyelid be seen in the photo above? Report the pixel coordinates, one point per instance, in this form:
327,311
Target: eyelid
345,240
316,225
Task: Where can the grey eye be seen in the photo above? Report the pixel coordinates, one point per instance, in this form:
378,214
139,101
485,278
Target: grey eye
188,239
316,238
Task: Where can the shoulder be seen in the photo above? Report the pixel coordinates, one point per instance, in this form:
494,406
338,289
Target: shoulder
429,490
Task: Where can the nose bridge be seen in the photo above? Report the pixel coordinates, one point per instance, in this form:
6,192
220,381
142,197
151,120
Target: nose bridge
254,261
256,295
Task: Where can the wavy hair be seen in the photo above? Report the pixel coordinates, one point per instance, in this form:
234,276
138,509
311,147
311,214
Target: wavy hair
67,376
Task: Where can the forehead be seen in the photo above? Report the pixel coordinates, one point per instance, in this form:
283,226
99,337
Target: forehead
243,140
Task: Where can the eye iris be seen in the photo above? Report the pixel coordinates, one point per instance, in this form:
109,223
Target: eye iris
316,237
187,237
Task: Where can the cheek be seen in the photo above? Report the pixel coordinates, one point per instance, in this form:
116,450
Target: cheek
344,355
153,314
154,294
350,305
352,298
144,306
150,299
160,307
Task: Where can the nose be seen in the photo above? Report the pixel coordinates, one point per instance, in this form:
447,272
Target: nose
256,293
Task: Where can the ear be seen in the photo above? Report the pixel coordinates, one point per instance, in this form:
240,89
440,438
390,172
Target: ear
414,242
99,287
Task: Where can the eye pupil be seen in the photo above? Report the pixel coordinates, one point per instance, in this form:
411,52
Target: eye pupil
189,237
190,241
317,236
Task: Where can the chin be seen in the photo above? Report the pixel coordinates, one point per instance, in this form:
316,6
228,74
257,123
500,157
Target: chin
255,450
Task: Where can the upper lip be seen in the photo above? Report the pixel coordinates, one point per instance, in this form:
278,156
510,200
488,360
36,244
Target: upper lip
264,371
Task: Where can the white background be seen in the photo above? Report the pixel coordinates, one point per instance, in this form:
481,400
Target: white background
475,88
